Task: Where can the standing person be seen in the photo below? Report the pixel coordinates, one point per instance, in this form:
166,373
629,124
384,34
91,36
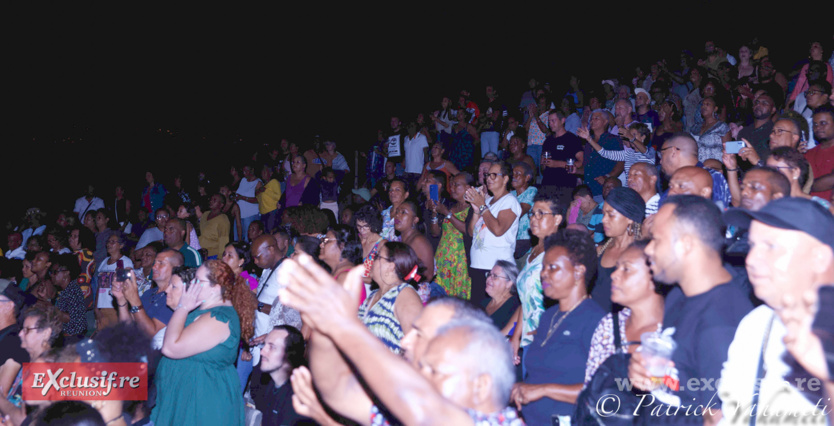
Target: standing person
494,225
104,228
705,306
710,131
443,120
545,218
397,193
536,127
246,199
464,138
200,346
550,388
560,146
439,162
268,197
214,227
106,310
525,192
416,151
334,159
450,257
153,196
622,217
597,168
396,137
121,208
368,224
407,222
88,203
301,187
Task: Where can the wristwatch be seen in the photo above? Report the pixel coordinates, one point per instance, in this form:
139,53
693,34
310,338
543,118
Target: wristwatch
482,209
135,309
449,216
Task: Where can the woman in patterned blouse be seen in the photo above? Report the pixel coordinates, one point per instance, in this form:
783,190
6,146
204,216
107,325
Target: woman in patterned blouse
633,287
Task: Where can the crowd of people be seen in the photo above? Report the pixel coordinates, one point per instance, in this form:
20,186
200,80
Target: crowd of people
495,264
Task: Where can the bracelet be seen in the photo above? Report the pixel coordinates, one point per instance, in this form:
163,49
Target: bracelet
121,306
734,170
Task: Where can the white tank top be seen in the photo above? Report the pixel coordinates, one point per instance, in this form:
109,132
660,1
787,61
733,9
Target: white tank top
247,189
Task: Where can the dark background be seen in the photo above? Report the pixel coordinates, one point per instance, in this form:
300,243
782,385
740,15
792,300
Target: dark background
100,94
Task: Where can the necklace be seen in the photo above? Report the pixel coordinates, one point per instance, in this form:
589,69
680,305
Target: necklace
553,327
117,418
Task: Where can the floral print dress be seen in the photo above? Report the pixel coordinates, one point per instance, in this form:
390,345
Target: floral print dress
450,258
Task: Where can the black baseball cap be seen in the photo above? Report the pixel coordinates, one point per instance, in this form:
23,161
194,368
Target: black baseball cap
791,213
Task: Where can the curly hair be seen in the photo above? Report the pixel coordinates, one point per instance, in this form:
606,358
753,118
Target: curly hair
349,243
48,317
580,248
236,289
307,219
370,216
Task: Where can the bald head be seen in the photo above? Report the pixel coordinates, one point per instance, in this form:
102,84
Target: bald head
264,251
691,180
678,151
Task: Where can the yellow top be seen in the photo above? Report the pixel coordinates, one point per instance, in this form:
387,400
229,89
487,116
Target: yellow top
214,234
268,200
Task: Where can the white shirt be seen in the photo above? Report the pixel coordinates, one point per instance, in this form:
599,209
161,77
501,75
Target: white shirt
82,205
414,155
487,248
18,253
738,376
150,235
246,188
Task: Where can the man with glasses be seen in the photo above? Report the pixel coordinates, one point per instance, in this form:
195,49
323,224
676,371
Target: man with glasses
821,157
765,106
149,311
817,95
154,234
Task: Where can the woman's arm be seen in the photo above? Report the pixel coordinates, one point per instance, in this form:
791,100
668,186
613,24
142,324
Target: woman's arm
450,166
407,308
238,224
501,224
201,335
524,393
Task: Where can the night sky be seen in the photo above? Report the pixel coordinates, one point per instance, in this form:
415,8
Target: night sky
102,93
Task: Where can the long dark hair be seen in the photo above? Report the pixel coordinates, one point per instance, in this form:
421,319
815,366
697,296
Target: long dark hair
404,259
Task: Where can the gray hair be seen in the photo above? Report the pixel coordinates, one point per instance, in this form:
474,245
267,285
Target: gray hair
462,309
509,268
486,351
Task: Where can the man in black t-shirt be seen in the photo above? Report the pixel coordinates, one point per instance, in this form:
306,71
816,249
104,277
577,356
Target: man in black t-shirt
561,146
270,388
701,313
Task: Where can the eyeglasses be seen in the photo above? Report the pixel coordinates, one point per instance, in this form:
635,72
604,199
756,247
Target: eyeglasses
810,92
360,227
538,214
660,152
379,256
781,131
26,330
324,241
493,175
490,274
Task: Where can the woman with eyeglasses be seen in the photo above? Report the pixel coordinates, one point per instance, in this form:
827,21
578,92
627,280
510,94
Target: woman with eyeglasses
795,167
389,311
523,175
368,224
501,301
494,225
340,250
622,217
41,328
545,218
450,257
